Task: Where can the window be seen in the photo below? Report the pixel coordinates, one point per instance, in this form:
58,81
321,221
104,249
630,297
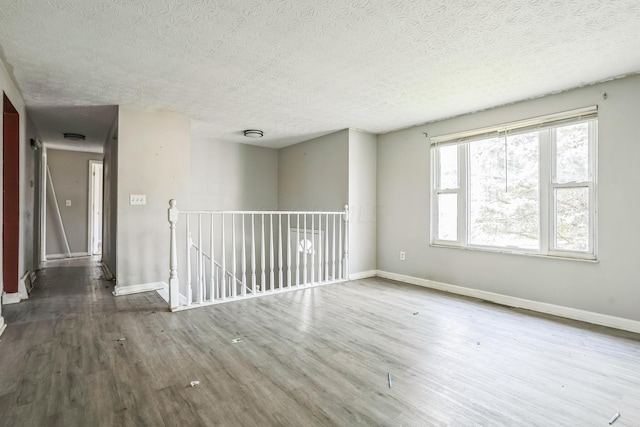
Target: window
524,187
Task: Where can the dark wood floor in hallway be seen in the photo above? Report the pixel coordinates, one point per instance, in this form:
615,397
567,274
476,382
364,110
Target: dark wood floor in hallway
74,355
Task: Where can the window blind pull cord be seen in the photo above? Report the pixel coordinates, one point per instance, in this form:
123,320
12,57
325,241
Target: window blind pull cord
506,164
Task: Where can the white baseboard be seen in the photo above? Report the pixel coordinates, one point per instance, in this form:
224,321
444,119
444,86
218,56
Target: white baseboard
24,286
164,294
363,274
62,256
542,307
105,270
135,289
12,298
3,325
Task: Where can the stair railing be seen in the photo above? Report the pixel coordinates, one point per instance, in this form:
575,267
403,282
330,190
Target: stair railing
253,253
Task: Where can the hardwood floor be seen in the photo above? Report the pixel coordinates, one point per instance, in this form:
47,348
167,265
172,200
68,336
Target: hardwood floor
315,357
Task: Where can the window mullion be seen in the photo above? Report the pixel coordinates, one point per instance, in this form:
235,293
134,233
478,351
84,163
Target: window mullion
448,191
546,191
593,193
571,184
462,193
435,169
592,219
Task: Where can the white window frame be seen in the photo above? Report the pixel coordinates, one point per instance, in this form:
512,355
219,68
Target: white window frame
547,186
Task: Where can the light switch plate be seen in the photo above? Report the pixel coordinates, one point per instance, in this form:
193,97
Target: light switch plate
67,202
137,199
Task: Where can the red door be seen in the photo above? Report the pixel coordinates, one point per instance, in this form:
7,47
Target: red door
10,195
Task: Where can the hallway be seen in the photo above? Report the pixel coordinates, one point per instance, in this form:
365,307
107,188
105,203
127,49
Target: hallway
61,363
74,355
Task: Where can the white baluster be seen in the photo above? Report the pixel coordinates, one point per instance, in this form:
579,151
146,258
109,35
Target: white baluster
346,242
263,276
297,249
189,245
223,260
304,253
174,281
326,247
280,277
233,256
212,291
199,269
253,254
313,249
216,288
340,250
271,272
333,254
288,250
319,247
244,261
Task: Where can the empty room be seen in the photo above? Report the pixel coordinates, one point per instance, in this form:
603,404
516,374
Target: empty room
417,213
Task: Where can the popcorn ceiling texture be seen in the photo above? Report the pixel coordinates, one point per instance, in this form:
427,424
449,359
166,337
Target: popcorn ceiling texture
297,69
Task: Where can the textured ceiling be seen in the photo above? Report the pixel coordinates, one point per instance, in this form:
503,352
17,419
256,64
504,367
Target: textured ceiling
93,122
301,68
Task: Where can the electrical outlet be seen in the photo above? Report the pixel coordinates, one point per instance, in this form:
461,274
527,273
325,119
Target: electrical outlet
137,199
402,256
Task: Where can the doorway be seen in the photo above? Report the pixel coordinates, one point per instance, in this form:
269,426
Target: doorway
95,208
10,195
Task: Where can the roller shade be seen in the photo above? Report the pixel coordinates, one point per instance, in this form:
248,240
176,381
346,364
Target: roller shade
521,126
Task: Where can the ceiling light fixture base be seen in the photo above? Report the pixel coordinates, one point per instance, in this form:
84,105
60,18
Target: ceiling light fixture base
74,136
253,133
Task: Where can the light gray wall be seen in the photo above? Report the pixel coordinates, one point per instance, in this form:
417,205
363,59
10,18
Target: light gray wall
153,159
363,150
314,175
70,174
30,231
608,287
110,198
227,176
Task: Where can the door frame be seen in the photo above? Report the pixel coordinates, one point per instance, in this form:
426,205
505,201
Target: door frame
91,206
11,255
42,194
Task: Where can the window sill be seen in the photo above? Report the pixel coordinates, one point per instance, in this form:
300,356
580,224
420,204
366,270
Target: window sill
519,253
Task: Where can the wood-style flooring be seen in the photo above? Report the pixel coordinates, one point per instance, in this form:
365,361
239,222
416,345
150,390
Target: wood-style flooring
75,355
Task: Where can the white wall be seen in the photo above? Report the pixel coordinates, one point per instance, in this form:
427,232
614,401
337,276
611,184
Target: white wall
30,216
363,149
153,155
609,287
313,175
227,176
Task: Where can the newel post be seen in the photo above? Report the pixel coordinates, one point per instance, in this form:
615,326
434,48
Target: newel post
346,241
174,282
